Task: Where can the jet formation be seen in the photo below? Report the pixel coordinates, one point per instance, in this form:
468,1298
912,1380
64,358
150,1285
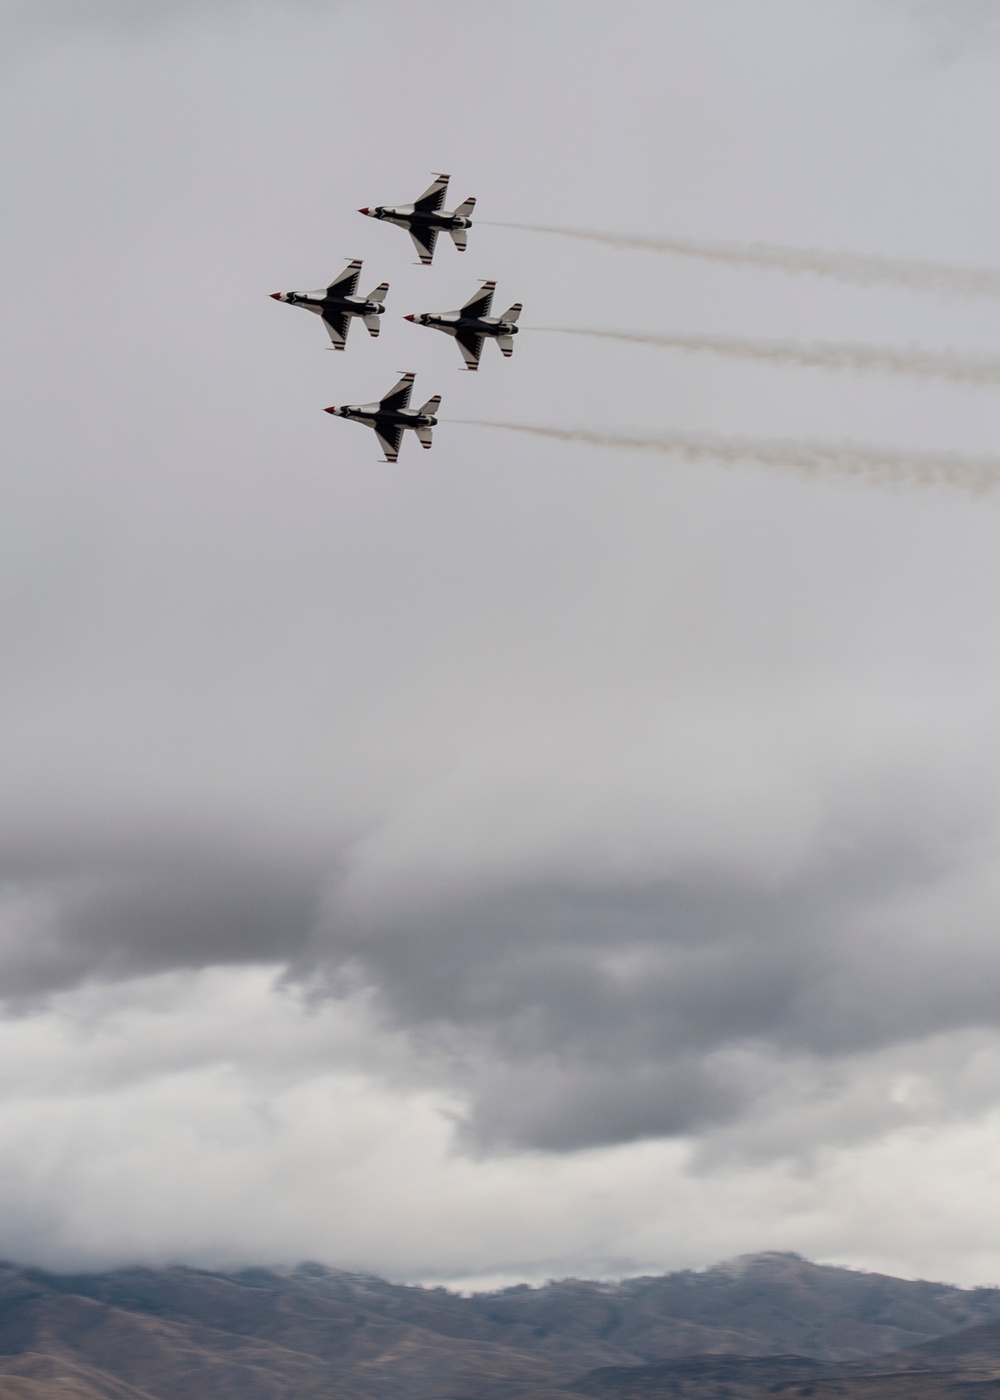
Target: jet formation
471,325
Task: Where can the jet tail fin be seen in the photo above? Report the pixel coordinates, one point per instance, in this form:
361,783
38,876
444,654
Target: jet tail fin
430,407
379,293
424,436
372,323
513,313
464,211
506,344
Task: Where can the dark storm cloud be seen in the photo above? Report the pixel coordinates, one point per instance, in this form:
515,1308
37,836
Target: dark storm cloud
562,1106
569,1012
581,1016
113,904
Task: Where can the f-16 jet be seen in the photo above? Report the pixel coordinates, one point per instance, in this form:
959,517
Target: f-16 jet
472,323
425,218
391,416
337,304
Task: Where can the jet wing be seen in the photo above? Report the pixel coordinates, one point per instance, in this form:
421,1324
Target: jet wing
471,346
481,302
347,283
337,325
389,439
433,197
424,243
399,396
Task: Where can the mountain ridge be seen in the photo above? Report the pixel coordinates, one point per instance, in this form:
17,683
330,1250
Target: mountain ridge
768,1322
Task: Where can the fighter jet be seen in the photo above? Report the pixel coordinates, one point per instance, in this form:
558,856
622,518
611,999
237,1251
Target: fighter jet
391,416
472,323
425,218
337,304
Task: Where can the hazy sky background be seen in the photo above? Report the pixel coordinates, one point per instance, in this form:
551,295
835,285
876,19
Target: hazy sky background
532,858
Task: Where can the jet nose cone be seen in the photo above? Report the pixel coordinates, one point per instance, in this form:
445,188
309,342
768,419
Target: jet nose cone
409,318
331,410
364,211
277,295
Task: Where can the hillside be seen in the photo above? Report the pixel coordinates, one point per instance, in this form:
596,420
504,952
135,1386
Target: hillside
768,1322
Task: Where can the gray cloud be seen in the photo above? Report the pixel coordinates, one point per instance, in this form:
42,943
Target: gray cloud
113,904
580,1016
559,1105
568,1012
955,25
29,28
134,15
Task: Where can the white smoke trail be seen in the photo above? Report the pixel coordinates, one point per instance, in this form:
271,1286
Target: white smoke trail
938,364
882,466
845,267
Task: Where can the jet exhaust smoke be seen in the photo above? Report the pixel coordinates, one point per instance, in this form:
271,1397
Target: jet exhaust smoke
936,364
880,466
845,267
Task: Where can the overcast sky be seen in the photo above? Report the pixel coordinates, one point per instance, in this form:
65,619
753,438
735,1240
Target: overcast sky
533,858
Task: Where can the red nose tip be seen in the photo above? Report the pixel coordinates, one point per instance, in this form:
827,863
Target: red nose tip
363,211
276,295
329,410
409,318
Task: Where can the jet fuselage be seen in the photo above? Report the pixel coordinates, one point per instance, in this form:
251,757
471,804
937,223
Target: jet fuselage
453,322
350,306
373,416
407,215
